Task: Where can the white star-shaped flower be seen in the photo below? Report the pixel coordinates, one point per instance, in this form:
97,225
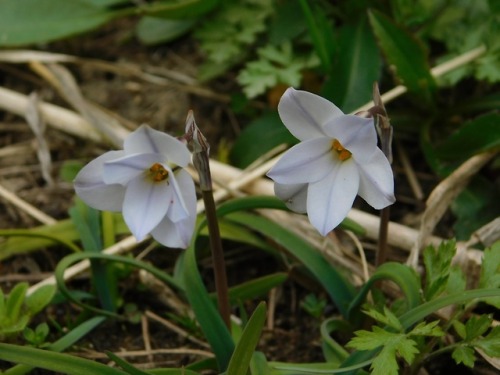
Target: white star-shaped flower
146,182
336,160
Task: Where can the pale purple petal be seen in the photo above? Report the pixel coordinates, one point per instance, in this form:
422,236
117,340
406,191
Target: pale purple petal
146,204
146,140
179,234
294,196
356,134
91,188
376,185
308,161
181,184
330,199
124,169
305,114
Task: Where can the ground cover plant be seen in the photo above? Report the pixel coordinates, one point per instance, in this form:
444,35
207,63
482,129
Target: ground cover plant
249,187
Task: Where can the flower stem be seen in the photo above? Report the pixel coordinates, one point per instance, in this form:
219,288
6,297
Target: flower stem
382,236
217,257
201,151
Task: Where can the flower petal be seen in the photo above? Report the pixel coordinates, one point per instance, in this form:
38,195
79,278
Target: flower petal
91,188
179,234
330,199
376,185
146,140
126,168
294,196
182,186
305,114
356,134
145,205
308,161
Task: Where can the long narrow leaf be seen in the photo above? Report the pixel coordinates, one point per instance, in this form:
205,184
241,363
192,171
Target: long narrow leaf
57,362
406,55
240,361
400,274
356,67
340,291
206,313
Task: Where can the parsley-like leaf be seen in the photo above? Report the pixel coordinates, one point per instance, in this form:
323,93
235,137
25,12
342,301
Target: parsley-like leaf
491,343
464,354
490,272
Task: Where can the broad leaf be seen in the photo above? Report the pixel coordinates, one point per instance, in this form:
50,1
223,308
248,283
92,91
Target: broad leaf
24,22
153,30
356,68
405,55
479,135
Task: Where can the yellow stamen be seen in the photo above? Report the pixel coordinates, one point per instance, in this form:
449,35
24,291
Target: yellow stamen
158,172
342,153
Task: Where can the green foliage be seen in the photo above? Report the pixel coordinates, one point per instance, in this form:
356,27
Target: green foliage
356,68
276,65
25,22
438,268
240,360
226,36
392,340
406,55
490,272
260,136
314,305
38,336
18,308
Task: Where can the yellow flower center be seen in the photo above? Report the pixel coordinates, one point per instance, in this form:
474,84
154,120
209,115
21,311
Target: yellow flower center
157,172
342,153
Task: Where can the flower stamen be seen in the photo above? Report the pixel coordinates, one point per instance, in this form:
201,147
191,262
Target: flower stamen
342,153
158,172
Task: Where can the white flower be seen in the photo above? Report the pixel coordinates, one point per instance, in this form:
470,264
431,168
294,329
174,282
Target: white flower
146,182
336,159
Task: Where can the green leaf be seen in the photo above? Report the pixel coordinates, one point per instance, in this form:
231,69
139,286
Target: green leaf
130,369
276,65
179,9
427,329
153,30
206,313
226,36
240,360
351,78
475,136
464,354
334,352
386,318
490,272
405,55
105,3
491,343
256,287
392,344
321,32
475,206
24,22
56,362
340,291
40,298
476,326
400,274
15,301
437,268
260,136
